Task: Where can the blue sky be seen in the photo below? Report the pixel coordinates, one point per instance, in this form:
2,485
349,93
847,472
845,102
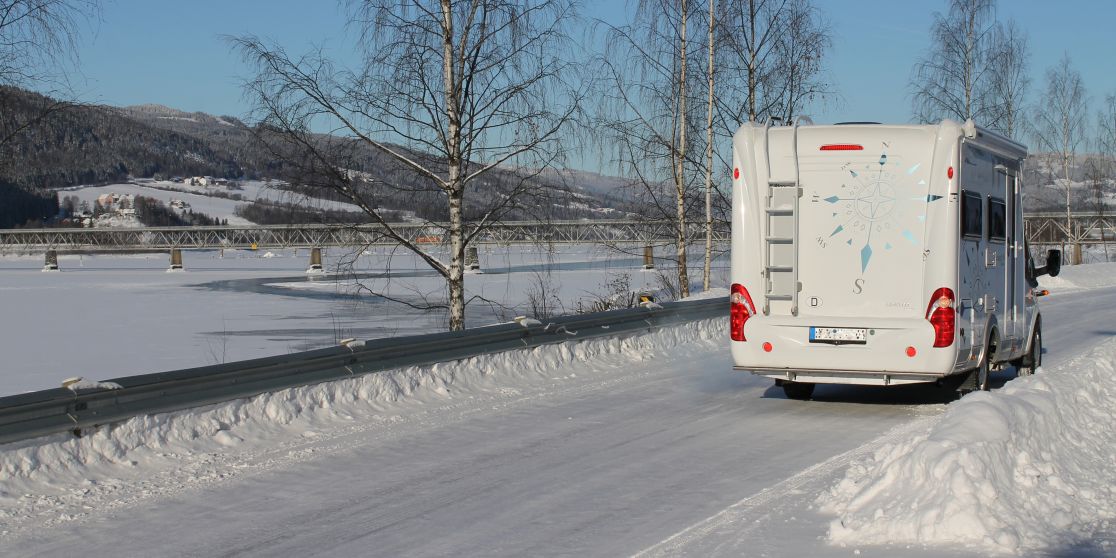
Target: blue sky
171,52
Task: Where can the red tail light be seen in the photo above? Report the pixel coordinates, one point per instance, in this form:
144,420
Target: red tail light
740,309
841,147
942,316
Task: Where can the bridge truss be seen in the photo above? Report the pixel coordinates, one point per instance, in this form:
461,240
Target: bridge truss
322,236
1040,229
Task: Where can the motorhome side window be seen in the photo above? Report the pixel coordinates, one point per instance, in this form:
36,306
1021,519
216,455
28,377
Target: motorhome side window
971,215
997,221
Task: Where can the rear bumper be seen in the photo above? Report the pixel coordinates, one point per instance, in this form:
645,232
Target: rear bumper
856,377
883,360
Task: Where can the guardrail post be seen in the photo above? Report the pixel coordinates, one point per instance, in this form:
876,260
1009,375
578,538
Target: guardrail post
315,261
51,263
176,260
648,257
472,260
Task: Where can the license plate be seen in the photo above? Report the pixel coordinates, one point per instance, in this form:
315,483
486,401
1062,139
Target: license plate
838,335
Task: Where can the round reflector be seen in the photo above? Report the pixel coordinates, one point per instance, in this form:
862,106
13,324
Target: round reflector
767,347
911,352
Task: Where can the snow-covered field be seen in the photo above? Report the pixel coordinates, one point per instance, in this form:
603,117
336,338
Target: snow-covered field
201,198
108,316
648,445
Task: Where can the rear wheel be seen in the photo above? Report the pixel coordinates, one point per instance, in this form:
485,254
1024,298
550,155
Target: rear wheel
798,390
1033,359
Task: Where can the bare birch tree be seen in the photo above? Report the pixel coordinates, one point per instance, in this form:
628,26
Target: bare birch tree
953,80
1009,80
650,116
773,62
1097,173
711,73
752,29
802,49
38,40
1059,123
454,92
1106,147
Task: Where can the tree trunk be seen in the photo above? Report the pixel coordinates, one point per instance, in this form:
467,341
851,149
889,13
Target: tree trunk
680,162
709,166
456,279
1069,207
752,61
455,190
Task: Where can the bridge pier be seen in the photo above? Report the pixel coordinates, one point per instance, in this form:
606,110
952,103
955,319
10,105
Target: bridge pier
648,257
175,261
315,262
472,260
51,262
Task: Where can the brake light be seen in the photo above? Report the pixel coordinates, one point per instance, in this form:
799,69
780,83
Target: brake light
740,309
941,314
842,147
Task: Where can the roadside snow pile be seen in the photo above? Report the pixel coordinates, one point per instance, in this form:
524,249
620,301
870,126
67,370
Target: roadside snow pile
1031,466
59,478
1081,277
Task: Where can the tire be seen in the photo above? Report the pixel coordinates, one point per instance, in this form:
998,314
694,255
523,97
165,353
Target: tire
1033,359
798,390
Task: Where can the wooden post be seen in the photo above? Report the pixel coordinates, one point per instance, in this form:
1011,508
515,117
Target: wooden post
472,260
176,260
51,263
1077,245
648,257
315,261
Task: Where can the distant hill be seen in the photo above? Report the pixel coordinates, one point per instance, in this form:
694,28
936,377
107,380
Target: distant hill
93,144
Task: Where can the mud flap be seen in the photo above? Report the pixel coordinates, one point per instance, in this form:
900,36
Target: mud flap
969,383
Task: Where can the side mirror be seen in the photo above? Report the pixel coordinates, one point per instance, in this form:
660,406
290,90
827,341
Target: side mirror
1053,264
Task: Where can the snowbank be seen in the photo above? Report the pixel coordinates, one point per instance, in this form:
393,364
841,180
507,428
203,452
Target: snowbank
59,478
1079,277
1029,467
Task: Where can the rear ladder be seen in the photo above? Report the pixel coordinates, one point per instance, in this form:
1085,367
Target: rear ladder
780,253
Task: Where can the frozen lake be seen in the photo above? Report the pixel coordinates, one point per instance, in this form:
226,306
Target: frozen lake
106,316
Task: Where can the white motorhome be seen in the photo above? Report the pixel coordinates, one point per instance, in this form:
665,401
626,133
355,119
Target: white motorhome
881,255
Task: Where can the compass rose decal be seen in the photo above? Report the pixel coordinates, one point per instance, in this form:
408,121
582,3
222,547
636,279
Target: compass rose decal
873,209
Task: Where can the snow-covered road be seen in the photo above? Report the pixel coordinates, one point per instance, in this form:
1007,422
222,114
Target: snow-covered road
654,447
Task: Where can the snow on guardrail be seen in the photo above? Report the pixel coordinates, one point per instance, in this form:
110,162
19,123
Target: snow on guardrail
55,479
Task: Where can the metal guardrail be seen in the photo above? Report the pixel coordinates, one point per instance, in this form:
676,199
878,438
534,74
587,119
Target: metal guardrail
59,410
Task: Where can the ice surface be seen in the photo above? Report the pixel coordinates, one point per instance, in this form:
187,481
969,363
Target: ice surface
108,316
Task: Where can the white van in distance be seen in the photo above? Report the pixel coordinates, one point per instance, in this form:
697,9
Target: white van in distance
881,255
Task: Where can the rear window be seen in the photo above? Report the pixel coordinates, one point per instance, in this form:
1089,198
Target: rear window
997,222
972,208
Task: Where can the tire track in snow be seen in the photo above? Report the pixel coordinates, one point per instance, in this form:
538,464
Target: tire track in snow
741,517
